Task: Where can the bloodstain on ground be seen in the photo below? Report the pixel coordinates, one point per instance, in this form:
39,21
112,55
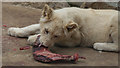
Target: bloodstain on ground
4,25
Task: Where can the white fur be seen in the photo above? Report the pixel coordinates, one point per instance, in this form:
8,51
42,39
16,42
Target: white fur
25,31
97,28
32,39
105,46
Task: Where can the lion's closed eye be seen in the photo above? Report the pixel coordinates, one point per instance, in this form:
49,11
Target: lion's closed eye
56,36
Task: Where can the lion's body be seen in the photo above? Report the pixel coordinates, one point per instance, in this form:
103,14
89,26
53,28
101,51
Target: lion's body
98,28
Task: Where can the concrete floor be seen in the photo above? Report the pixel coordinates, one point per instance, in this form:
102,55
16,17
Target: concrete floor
16,16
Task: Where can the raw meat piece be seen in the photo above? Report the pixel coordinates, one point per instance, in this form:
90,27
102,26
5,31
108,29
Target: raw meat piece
41,53
5,25
25,48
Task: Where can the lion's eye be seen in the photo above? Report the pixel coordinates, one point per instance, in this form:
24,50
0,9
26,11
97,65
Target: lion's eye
55,36
46,31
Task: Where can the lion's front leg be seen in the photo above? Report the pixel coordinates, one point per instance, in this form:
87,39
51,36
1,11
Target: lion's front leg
25,31
31,39
109,46
106,46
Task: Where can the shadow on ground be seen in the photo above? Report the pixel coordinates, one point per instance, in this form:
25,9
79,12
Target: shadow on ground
16,16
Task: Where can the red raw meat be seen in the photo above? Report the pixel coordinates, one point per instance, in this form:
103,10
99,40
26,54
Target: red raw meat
5,25
41,53
25,48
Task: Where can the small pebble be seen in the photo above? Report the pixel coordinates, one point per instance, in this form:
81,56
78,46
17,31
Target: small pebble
100,51
8,42
15,55
23,64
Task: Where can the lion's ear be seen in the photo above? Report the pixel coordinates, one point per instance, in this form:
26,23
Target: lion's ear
47,12
71,26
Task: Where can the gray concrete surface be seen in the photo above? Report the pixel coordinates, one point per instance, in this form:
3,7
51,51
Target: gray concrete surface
16,16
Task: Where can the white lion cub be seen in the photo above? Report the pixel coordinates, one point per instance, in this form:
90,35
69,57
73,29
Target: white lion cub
74,27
